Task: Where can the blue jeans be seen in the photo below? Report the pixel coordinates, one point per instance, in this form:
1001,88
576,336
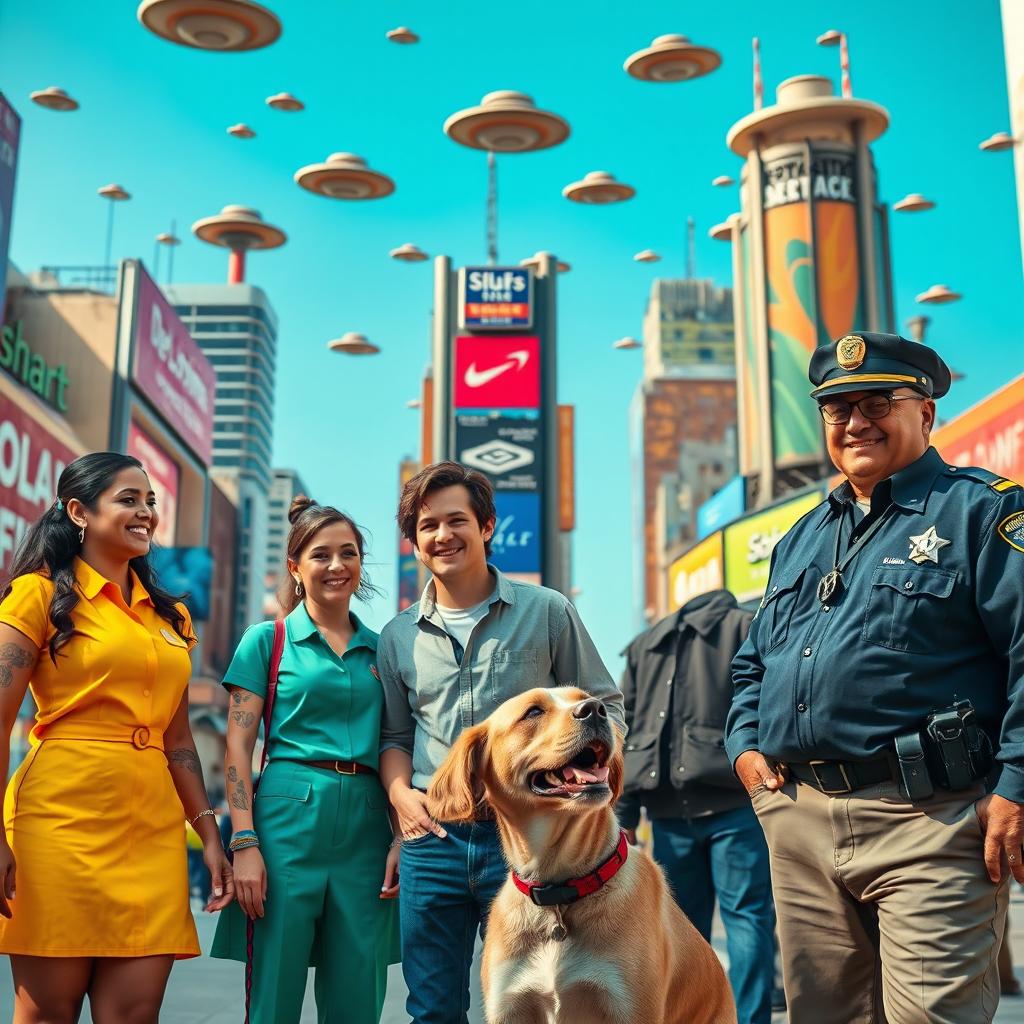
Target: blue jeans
725,855
447,889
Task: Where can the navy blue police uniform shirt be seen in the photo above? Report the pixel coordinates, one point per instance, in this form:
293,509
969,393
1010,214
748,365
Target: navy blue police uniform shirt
931,611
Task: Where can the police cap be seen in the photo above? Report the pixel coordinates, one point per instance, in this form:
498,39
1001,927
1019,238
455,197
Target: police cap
877,362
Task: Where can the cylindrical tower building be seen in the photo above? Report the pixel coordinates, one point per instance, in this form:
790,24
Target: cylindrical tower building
811,263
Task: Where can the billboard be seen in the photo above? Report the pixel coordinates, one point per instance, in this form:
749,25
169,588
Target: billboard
10,132
516,544
31,461
696,572
497,372
506,445
495,297
750,542
812,271
186,572
164,476
989,434
723,507
170,369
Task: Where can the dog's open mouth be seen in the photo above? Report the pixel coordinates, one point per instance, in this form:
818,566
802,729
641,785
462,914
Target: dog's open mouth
586,772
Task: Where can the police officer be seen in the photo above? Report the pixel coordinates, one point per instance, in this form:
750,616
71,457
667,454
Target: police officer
901,594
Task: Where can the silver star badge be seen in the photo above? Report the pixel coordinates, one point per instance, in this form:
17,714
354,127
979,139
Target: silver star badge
926,546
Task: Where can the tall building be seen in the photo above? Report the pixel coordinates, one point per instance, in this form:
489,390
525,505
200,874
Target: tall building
682,426
286,486
688,331
236,327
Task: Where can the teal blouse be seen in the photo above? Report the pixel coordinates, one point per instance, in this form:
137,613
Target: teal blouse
327,707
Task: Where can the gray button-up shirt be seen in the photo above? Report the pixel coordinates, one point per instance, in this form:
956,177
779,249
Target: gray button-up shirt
530,636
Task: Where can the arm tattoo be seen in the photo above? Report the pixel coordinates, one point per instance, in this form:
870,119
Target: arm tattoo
232,774
244,718
187,758
240,696
239,798
12,657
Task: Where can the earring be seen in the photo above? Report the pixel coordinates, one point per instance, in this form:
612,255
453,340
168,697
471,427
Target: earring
298,588
81,535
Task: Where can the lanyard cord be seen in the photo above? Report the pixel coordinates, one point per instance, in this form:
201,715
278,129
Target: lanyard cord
832,582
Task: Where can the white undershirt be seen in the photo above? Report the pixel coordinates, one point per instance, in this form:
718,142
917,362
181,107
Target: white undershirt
864,506
460,622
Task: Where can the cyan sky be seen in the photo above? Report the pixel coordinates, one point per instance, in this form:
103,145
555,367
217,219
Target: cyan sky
154,115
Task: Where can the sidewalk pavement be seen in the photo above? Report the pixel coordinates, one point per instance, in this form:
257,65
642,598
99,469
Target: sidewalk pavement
205,991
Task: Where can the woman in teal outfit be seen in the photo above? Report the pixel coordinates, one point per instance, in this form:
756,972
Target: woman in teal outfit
313,849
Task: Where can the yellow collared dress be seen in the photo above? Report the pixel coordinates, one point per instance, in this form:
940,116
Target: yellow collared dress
91,814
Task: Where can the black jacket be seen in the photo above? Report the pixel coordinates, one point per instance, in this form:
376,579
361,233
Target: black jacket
677,687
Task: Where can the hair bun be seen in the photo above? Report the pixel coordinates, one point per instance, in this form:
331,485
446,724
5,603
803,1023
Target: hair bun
299,505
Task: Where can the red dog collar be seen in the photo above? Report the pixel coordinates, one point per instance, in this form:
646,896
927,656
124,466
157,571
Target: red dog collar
574,889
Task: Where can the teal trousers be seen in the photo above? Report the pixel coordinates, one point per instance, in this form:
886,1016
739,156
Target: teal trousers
324,838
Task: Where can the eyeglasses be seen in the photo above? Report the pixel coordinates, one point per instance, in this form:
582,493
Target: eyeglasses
872,407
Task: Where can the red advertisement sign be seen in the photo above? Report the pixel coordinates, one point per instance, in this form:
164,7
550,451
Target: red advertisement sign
990,434
171,370
164,474
497,373
31,461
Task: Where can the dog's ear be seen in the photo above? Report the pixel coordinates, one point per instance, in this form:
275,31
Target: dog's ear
457,787
615,774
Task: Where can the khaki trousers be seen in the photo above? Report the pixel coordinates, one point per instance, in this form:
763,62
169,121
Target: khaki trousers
886,914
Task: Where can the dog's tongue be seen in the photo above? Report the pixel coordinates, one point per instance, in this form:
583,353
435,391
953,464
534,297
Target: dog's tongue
573,774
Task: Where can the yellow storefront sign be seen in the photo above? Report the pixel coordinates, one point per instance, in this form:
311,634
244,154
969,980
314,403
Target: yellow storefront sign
749,544
696,572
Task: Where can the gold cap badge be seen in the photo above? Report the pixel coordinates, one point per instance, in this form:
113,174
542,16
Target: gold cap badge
850,351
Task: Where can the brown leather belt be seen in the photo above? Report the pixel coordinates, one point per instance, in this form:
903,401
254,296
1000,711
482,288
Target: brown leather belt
341,767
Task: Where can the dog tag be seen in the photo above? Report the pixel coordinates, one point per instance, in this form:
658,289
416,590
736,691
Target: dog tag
559,932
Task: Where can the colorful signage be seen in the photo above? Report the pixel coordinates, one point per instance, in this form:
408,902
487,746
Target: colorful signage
10,133
723,507
164,476
750,542
990,434
17,358
495,297
497,373
171,370
515,546
505,445
812,266
696,572
31,462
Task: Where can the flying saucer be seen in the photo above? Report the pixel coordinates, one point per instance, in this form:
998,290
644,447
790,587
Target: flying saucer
598,187
224,25
672,58
353,344
54,99
507,122
344,176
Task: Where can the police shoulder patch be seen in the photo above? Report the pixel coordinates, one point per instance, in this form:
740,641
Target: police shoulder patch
1011,529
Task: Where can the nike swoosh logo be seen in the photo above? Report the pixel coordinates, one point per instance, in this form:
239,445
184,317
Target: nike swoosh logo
478,378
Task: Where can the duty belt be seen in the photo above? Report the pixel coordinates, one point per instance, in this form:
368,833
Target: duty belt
837,777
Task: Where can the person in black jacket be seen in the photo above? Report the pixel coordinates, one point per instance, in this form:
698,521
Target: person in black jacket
677,687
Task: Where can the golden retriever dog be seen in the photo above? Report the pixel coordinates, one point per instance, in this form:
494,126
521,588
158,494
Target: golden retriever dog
549,763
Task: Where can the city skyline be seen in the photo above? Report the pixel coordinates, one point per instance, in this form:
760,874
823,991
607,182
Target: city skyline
154,118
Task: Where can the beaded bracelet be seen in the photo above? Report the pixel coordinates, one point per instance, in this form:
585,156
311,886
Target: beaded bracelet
201,814
243,838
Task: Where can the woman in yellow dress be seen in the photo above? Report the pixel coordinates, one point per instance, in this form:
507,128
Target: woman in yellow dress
93,879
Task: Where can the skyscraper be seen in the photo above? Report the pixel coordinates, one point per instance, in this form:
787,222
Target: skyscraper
682,426
236,327
286,486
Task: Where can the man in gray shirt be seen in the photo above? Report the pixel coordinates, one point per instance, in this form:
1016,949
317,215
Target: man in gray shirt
475,639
